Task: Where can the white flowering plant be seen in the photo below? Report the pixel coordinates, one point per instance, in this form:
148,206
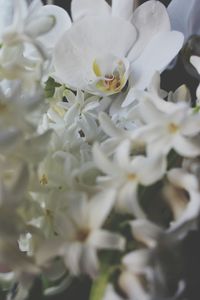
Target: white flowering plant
100,166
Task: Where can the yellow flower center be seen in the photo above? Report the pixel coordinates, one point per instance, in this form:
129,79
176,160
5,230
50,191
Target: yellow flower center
132,177
173,128
44,180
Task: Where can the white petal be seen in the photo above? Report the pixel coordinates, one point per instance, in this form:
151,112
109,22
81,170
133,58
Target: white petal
182,179
152,168
123,153
150,112
103,239
102,162
181,15
150,18
123,9
132,286
40,26
64,226
110,294
182,94
82,8
6,10
72,257
146,232
48,250
109,127
198,94
100,207
128,200
78,212
130,98
78,48
34,7
62,23
137,260
191,126
186,147
156,58
189,218
195,61
89,261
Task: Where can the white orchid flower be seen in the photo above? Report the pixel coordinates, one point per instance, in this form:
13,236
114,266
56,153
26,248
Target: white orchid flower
103,59
125,173
92,46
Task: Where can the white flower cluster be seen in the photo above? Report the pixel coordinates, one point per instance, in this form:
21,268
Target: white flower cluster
92,149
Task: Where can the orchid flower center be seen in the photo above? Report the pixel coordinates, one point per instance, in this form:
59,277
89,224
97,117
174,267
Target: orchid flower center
111,74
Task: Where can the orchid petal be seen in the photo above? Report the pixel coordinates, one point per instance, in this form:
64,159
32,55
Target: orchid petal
62,24
82,8
123,9
79,47
155,58
150,18
187,24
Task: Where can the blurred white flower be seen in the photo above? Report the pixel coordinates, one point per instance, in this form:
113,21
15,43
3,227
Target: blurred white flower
23,23
183,197
125,172
169,126
79,234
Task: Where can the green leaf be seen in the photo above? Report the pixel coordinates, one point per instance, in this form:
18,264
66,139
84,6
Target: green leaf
110,267
50,87
99,287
